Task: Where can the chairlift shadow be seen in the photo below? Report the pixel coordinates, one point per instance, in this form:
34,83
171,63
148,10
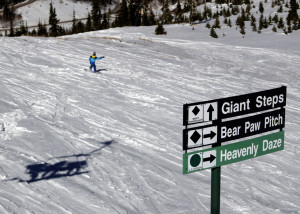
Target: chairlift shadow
46,171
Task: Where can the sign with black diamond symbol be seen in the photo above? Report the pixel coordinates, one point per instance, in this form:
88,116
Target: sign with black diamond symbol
196,110
199,137
195,138
195,114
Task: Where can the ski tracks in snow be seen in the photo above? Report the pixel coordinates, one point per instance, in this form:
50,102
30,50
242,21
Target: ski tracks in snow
125,123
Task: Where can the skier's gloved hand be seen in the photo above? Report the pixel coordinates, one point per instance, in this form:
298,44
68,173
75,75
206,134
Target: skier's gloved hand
103,56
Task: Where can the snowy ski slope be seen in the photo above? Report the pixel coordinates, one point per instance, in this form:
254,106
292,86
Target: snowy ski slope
79,142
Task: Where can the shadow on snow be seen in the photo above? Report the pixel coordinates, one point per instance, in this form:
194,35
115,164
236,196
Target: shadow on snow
47,171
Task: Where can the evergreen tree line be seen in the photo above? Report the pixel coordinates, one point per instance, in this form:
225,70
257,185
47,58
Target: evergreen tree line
8,3
291,22
136,13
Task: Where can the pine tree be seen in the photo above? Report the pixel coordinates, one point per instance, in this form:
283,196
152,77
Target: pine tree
61,31
261,7
79,27
23,29
192,11
12,31
145,21
187,6
88,25
253,23
74,30
123,15
208,26
109,15
280,23
209,12
273,4
238,21
235,10
290,30
296,24
275,18
6,13
242,31
134,13
167,16
293,15
105,24
241,23
274,29
229,23
225,21
213,33
33,32
248,9
96,15
261,22
42,30
204,14
178,12
265,23
217,23
160,29
228,14
286,4
53,22
243,16
152,18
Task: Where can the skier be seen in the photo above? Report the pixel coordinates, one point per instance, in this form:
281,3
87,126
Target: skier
93,59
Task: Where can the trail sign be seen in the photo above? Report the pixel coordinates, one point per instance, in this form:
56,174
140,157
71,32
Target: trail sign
234,129
202,113
233,106
232,153
200,137
220,130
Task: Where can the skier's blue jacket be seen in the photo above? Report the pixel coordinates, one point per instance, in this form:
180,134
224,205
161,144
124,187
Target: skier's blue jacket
94,58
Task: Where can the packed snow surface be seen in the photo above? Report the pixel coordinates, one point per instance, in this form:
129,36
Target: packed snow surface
73,141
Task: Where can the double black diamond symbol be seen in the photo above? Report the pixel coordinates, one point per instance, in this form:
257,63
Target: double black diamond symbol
195,137
196,110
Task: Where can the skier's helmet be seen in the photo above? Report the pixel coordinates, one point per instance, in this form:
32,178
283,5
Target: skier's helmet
94,53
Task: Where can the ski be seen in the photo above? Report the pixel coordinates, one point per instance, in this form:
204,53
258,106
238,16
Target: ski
97,71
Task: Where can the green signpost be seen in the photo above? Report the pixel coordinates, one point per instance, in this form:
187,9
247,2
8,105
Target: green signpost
219,131
232,153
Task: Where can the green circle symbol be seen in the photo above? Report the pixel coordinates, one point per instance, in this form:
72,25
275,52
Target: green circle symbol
195,160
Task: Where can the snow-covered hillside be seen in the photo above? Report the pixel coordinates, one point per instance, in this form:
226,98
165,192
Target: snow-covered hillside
79,142
39,11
